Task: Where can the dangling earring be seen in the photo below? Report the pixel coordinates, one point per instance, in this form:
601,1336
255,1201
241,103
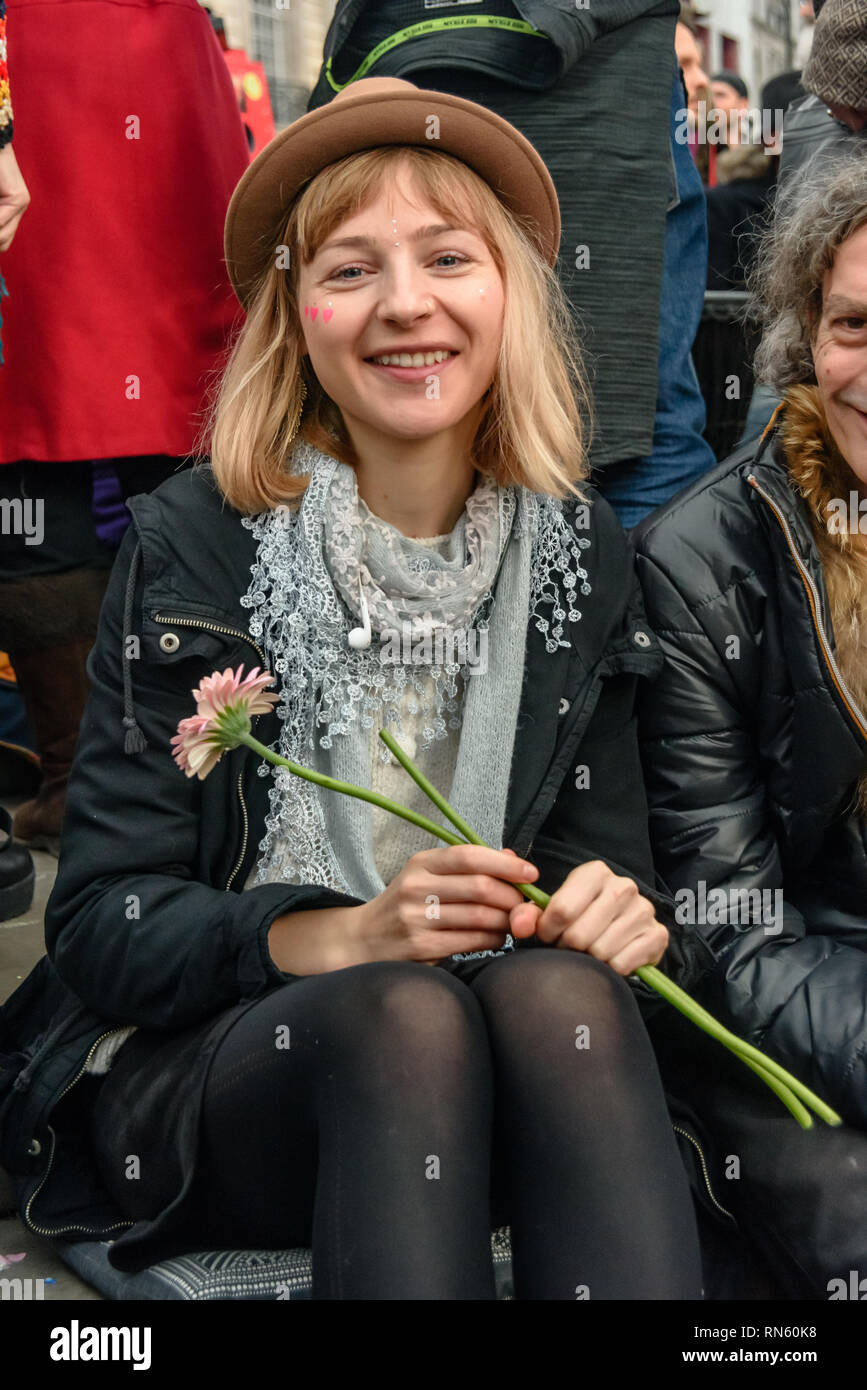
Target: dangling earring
297,424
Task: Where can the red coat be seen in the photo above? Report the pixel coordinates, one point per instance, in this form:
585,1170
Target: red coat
119,305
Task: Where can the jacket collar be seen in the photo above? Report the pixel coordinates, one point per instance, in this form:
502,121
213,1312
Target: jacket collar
552,712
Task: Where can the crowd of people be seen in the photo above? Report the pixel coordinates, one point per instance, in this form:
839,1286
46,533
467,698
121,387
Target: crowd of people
240,456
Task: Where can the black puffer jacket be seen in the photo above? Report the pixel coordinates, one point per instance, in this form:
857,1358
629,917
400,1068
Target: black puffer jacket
147,923
752,748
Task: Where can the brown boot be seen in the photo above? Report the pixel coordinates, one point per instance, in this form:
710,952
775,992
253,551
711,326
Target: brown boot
54,685
48,627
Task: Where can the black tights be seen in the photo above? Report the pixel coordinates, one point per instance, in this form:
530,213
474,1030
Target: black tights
411,1112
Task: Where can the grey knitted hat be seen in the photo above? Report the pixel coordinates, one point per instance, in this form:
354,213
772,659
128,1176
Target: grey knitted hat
837,67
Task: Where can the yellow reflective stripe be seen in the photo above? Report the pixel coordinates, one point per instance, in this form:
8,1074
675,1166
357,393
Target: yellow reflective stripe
430,26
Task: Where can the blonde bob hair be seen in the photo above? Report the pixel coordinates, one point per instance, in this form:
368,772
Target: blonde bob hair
533,431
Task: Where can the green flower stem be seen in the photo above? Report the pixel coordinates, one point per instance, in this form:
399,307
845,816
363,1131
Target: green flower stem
687,1005
791,1102
790,1090
351,790
528,889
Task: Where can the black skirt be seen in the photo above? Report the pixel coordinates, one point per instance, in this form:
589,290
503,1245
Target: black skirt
145,1125
144,1132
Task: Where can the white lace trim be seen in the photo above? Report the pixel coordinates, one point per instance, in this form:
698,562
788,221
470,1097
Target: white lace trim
298,617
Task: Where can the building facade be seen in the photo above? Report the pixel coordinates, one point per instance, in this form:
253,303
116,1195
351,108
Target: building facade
755,38
287,38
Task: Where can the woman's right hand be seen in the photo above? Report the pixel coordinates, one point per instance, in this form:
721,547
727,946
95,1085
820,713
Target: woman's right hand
453,899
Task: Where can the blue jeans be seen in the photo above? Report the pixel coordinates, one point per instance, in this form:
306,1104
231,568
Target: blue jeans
680,454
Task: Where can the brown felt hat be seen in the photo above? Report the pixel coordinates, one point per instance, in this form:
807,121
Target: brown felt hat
382,111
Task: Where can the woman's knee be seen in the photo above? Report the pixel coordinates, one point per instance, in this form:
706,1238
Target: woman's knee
540,1002
554,979
403,1004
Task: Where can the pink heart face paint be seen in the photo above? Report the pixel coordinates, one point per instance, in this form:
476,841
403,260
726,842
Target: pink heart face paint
311,310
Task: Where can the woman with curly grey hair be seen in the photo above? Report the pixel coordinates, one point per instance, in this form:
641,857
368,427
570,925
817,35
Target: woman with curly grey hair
754,739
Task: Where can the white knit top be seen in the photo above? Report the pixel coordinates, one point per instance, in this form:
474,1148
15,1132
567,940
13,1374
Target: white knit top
395,840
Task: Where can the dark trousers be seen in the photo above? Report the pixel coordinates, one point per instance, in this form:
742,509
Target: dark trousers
63,493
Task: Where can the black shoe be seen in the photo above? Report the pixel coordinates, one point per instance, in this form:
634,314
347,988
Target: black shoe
17,874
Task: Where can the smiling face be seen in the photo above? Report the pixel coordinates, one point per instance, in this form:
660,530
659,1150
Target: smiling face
839,349
396,279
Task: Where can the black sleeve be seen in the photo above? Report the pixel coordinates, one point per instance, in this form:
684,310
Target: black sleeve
129,927
575,28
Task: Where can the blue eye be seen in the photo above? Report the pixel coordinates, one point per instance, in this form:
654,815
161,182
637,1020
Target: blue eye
459,260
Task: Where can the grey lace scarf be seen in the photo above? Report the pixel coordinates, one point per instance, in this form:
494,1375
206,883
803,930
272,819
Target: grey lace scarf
510,551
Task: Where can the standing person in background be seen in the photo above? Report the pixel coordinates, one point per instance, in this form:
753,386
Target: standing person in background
118,313
558,73
730,95
837,67
835,107
737,207
697,85
679,452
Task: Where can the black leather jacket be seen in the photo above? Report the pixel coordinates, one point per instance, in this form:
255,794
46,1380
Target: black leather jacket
147,923
752,748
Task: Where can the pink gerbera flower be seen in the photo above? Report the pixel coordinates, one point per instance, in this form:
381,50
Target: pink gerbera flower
224,704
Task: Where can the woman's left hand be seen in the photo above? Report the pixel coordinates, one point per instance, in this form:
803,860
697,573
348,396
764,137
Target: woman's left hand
600,912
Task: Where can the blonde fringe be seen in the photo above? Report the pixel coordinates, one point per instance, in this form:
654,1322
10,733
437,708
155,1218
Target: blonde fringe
535,422
821,474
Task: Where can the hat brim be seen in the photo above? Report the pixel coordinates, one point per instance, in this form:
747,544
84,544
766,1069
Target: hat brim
498,153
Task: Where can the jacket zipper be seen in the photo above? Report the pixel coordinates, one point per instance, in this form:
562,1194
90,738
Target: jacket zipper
91,1230
213,627
686,1134
234,632
813,597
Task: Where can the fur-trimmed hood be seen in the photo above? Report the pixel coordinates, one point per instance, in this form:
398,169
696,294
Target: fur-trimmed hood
825,481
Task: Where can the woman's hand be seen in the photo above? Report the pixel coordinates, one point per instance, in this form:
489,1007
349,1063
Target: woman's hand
14,196
600,912
443,901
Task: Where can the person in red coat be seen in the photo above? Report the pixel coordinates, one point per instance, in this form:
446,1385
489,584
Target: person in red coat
117,315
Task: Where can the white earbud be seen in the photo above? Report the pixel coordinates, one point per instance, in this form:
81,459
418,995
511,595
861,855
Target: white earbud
359,637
